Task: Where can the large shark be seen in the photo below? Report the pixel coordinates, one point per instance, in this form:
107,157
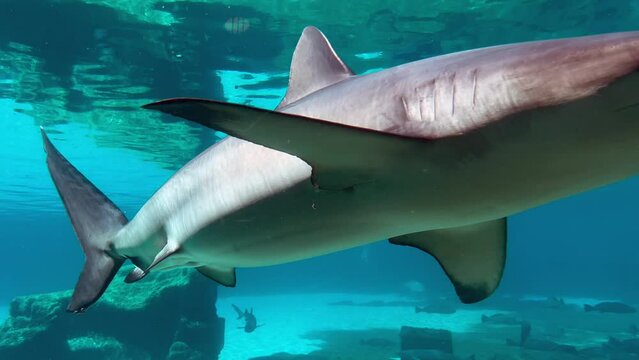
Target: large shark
433,154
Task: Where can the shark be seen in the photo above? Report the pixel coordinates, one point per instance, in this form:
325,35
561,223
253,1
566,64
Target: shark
434,154
250,319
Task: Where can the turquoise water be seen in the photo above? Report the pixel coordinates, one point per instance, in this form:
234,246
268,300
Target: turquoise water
83,69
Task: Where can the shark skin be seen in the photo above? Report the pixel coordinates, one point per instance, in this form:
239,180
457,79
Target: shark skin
433,154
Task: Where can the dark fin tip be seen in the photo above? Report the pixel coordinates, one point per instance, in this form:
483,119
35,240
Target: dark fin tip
99,270
471,294
135,275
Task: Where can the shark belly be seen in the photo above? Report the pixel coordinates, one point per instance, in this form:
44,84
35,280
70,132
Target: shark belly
275,216
206,190
296,224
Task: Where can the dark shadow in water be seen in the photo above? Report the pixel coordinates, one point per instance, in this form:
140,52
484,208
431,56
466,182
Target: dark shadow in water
73,57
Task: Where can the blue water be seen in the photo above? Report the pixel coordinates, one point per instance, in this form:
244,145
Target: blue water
82,69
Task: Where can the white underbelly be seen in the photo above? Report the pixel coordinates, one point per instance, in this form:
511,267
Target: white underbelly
298,224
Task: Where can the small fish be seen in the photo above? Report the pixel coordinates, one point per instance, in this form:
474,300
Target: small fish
250,321
545,345
611,307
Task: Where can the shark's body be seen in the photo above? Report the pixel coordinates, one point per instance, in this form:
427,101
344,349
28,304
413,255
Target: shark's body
250,321
433,154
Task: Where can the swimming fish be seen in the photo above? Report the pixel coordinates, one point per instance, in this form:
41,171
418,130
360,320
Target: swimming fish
433,154
250,321
610,307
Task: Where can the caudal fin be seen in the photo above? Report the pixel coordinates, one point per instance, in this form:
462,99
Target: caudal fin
588,308
95,220
240,313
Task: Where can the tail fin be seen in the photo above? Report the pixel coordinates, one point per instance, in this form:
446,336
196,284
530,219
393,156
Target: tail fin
240,313
95,220
588,308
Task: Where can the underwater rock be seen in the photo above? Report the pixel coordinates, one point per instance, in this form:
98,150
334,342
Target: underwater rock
413,338
182,351
171,315
544,345
539,344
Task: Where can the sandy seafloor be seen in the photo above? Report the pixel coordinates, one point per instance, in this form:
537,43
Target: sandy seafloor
290,321
308,323
314,324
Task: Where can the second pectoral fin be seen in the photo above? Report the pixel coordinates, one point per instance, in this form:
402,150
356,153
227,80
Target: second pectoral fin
472,256
341,155
223,276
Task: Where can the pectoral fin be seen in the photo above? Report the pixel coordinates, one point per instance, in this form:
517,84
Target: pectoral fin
135,275
341,155
224,277
472,256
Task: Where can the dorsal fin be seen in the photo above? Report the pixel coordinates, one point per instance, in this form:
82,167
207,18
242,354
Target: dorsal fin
315,65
